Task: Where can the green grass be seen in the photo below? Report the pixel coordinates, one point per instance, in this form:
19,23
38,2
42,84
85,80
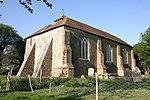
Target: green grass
83,89
68,93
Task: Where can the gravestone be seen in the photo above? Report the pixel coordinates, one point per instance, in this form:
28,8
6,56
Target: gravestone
90,71
82,76
128,74
106,76
137,75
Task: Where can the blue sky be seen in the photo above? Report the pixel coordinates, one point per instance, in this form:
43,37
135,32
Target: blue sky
125,19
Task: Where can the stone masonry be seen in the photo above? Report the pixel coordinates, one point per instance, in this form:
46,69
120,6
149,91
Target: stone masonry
55,50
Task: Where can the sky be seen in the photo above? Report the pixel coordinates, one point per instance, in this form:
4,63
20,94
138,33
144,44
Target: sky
126,19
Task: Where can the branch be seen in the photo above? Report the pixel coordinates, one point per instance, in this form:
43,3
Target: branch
28,3
47,3
1,1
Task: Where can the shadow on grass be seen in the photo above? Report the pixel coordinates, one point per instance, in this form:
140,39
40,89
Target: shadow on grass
76,93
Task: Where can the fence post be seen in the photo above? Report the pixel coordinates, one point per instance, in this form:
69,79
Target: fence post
30,83
50,87
96,77
8,82
11,69
40,76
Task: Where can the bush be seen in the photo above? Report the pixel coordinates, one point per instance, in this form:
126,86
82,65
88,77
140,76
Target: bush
80,82
59,81
22,84
2,82
19,84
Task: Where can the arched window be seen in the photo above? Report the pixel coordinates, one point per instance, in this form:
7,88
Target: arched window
109,53
125,56
84,49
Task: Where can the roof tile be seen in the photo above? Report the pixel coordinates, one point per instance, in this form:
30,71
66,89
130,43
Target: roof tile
65,21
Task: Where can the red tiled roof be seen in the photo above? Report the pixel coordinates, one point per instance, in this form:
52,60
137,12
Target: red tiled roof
65,21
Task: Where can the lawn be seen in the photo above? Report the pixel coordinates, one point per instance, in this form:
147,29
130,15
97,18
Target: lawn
83,89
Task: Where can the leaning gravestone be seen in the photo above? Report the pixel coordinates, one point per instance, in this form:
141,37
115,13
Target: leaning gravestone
137,75
128,74
91,72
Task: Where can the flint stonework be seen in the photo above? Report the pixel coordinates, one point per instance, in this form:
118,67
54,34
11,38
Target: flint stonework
56,49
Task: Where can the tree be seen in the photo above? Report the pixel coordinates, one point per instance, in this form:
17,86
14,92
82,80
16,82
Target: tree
11,47
142,49
27,4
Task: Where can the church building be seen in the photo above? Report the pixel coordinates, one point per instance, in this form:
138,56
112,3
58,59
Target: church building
69,48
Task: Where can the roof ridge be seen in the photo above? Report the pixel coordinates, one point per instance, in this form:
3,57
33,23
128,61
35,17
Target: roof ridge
64,20
91,29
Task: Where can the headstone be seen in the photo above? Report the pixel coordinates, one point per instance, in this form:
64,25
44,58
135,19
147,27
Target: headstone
106,76
91,72
82,76
137,75
101,76
128,74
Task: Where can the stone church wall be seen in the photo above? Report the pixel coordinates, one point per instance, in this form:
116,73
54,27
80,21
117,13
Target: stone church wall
41,42
57,52
81,66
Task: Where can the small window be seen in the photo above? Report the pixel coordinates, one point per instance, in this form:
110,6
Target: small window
84,49
125,56
109,53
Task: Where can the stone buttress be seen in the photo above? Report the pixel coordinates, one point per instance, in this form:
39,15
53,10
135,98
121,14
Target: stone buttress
64,65
44,60
120,68
133,62
27,66
101,69
68,69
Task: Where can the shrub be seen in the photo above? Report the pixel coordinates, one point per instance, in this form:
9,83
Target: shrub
2,82
59,81
22,84
80,82
19,84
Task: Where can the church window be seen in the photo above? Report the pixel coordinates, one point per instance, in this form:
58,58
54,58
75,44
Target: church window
109,53
125,56
84,49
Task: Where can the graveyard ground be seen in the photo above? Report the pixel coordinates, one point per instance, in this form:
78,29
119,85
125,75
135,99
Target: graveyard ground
116,89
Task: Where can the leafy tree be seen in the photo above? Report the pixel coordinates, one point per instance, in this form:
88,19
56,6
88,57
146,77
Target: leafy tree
137,56
136,50
142,49
11,47
27,4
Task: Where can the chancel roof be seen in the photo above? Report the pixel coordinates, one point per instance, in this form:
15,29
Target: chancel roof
68,22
